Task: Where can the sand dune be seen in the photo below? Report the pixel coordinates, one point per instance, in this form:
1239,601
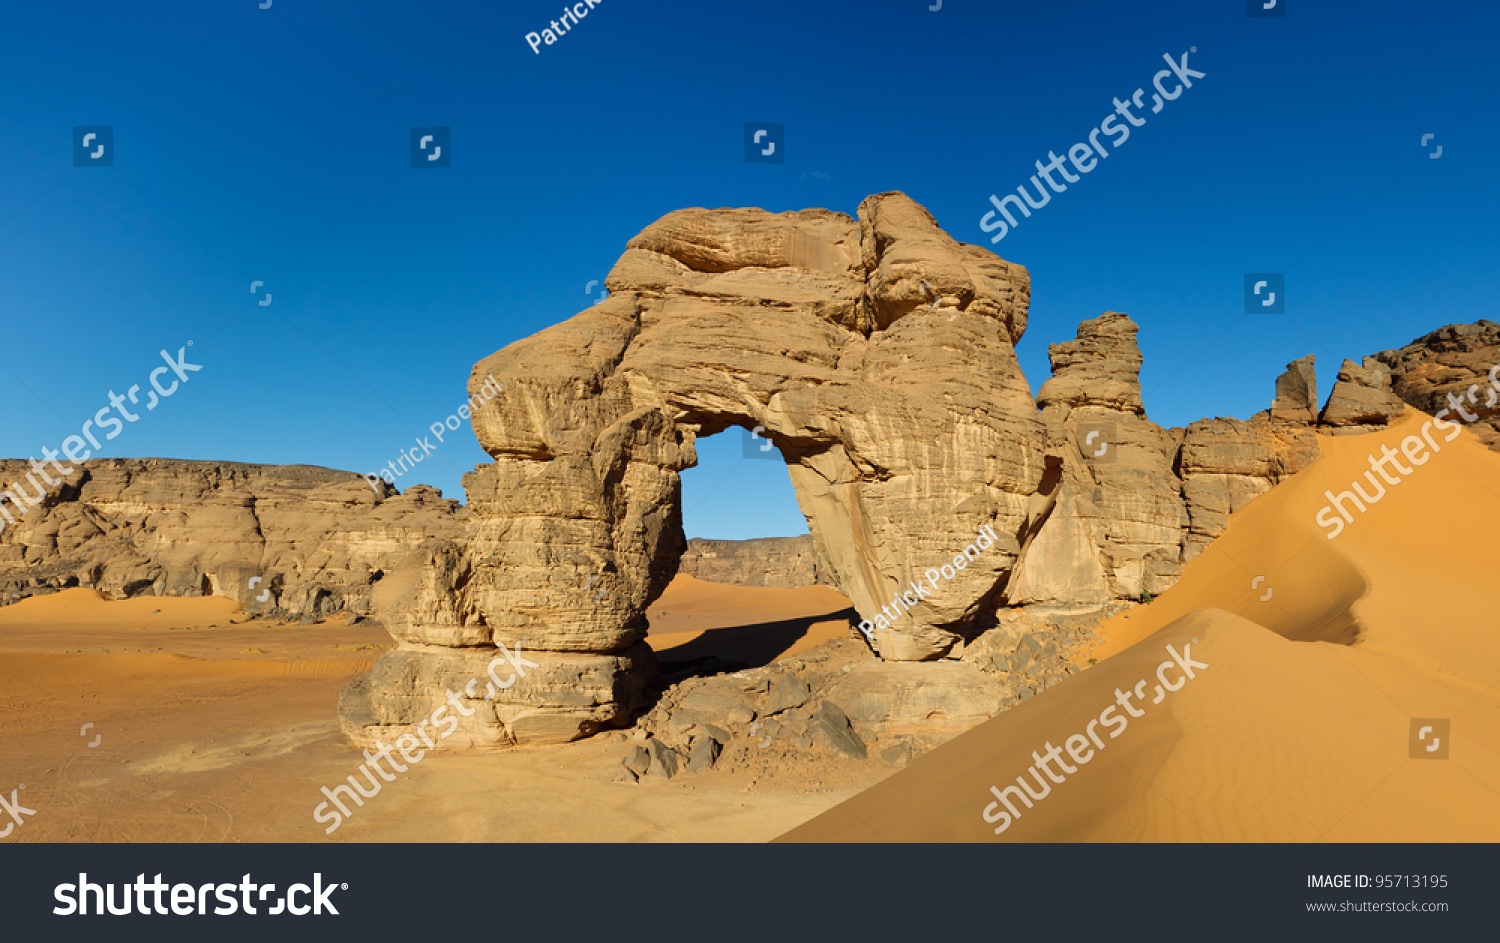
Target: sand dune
1319,654
75,607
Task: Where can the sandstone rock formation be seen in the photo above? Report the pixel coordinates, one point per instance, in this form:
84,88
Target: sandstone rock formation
906,428
1100,369
1455,368
788,562
316,541
877,355
1224,464
1362,397
1296,394
1117,526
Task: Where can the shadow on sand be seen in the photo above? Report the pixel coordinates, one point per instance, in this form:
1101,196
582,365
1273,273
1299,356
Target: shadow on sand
736,647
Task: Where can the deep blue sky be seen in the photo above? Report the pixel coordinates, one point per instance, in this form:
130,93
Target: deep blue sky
273,144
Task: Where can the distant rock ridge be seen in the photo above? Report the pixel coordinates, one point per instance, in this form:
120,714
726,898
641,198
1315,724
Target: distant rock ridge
313,543
291,539
788,562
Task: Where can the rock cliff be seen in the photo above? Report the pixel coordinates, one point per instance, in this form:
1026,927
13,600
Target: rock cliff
788,562
314,541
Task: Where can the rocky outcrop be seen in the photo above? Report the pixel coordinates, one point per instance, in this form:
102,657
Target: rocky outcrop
788,562
1456,368
1296,394
905,423
1224,464
877,355
1117,524
541,697
1100,369
292,540
1362,398
839,702
892,701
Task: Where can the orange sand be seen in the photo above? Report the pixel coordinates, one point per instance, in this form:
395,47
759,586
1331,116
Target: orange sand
89,607
753,625
227,733
1300,728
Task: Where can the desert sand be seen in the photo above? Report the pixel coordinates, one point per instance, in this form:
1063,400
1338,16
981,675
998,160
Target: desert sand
1319,654
210,726
1310,659
693,619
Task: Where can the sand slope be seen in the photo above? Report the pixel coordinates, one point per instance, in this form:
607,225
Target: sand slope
1299,728
89,607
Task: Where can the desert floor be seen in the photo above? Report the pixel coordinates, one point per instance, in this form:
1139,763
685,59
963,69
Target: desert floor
211,731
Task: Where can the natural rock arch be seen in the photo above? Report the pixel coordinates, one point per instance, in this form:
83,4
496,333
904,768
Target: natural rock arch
878,356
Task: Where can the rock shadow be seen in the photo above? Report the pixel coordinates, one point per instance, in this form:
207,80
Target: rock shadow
734,648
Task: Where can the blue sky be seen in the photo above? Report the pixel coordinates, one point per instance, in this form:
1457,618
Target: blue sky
272,144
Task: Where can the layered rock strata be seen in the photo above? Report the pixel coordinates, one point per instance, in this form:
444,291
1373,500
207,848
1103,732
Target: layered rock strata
788,562
877,355
1116,526
1456,368
288,540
